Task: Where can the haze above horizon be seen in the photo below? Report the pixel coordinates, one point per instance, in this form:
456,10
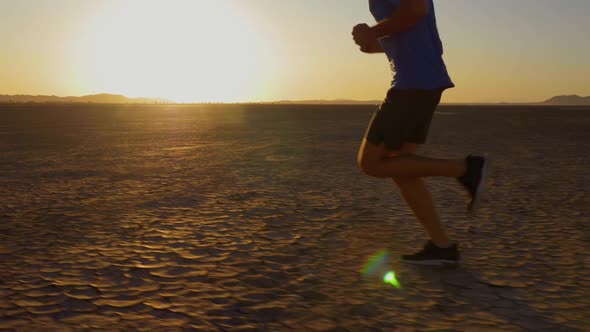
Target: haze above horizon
265,50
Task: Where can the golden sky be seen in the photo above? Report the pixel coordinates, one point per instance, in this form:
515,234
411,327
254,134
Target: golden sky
262,50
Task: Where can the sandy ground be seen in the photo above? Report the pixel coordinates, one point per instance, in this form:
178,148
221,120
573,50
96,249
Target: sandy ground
257,219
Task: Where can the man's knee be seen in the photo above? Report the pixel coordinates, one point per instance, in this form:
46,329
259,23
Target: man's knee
368,158
369,167
372,165
371,157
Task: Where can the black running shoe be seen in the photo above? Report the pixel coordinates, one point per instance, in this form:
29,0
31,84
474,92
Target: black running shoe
474,180
433,255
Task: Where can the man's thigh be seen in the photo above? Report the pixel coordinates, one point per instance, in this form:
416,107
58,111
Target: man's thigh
372,153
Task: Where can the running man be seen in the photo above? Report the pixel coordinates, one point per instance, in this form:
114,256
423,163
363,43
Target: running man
406,32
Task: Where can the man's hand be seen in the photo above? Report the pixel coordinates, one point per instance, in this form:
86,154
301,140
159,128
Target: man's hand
364,37
409,13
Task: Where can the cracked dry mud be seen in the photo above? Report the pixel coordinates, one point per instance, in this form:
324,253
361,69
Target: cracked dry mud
256,218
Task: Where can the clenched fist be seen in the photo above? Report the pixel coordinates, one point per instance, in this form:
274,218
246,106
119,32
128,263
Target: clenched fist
364,37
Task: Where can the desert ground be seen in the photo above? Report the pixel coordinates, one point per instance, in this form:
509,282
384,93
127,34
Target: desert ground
257,218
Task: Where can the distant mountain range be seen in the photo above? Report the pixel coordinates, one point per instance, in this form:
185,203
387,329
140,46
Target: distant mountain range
106,98
568,100
103,98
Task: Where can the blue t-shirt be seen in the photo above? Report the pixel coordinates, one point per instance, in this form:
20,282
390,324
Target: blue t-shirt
415,55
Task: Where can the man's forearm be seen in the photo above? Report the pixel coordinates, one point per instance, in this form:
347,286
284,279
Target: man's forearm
404,18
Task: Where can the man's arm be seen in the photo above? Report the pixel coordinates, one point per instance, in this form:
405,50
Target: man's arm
373,47
363,37
409,13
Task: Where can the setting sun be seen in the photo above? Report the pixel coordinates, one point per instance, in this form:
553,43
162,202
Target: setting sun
189,51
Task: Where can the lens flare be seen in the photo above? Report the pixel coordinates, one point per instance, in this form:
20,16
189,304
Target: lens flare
375,263
377,267
390,278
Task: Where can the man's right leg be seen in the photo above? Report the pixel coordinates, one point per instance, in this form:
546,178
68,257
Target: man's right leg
372,162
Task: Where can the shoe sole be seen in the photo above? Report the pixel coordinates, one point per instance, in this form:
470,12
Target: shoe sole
434,262
481,188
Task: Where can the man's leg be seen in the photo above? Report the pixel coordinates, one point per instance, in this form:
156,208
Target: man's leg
374,162
419,199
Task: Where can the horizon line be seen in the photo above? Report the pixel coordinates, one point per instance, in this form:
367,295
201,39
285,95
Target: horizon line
162,100
303,103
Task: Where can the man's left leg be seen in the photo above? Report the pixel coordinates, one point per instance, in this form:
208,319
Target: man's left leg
419,199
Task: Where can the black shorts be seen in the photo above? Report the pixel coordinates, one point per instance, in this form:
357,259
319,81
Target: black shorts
404,117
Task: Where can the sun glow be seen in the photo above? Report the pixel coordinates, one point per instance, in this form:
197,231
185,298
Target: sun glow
185,50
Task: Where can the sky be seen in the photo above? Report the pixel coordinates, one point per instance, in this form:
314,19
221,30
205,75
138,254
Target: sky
264,50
